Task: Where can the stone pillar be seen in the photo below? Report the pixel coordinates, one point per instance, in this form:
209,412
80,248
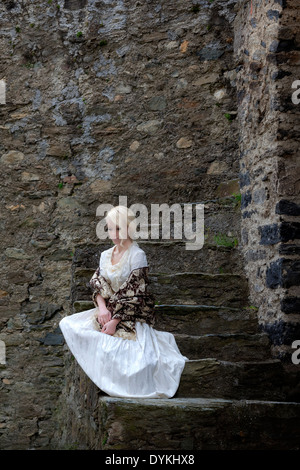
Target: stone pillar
267,49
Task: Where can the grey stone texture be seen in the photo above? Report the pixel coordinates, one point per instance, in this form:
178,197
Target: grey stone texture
162,102
269,158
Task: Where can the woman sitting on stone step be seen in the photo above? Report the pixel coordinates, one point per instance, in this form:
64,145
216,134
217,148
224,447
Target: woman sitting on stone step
115,343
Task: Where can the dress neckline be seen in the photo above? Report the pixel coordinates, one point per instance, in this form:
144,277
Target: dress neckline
125,252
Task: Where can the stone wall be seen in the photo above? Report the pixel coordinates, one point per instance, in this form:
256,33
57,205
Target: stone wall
103,98
135,98
267,44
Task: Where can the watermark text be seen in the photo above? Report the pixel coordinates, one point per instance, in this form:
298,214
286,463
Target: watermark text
296,94
2,91
296,354
187,222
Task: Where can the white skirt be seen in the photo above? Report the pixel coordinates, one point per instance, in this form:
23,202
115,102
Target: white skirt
148,367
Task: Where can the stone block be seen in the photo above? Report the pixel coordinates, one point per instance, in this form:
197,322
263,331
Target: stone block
290,305
287,207
289,231
282,332
269,234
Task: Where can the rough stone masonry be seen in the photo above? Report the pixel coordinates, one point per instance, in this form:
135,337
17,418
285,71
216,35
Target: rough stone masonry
267,50
162,101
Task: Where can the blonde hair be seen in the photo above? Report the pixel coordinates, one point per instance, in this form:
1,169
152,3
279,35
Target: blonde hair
124,218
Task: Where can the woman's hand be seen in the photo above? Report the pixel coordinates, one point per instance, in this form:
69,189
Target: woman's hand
110,327
104,316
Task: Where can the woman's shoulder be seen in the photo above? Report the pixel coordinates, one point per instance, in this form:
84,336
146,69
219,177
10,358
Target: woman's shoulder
104,253
138,256
136,249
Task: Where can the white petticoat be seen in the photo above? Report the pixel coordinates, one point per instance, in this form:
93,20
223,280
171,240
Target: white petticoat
148,367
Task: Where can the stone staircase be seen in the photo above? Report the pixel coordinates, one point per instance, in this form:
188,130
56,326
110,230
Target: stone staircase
233,394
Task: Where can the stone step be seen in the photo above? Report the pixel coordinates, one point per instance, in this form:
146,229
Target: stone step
196,319
195,424
172,257
254,380
228,347
205,319
82,305
230,290
87,256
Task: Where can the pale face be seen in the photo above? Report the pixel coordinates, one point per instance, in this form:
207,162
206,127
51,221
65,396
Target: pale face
114,232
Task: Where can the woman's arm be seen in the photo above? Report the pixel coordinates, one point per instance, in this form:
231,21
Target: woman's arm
133,301
108,324
110,327
100,301
103,314
101,291
100,286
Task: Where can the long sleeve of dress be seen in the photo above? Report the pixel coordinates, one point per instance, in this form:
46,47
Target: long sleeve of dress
132,301
100,286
